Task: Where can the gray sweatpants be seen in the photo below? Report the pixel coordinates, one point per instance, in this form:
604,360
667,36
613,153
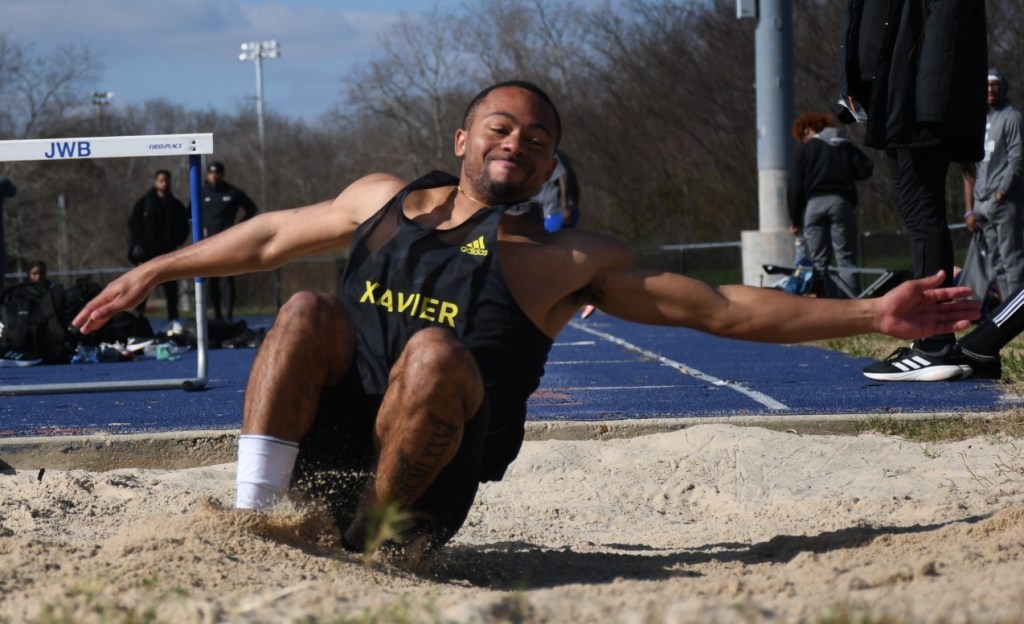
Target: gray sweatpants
830,228
1001,225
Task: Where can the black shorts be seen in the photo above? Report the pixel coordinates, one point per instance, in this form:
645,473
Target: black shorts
337,458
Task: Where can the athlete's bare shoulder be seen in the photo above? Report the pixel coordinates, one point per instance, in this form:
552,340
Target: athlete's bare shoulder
578,248
552,274
364,197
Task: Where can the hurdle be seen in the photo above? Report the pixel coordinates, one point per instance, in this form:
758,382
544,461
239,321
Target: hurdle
191,145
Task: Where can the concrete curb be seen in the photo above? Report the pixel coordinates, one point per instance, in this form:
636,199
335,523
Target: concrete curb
187,449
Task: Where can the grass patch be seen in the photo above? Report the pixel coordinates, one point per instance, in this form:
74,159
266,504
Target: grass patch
387,524
948,429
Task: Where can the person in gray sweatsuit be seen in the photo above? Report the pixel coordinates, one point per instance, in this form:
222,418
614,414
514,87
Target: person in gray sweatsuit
995,199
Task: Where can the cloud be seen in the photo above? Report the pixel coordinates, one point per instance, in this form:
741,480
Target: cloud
190,28
200,40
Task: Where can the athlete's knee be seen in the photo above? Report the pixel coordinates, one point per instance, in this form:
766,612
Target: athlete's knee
435,360
317,314
437,352
314,323
313,307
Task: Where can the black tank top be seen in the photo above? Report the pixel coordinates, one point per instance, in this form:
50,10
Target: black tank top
402,277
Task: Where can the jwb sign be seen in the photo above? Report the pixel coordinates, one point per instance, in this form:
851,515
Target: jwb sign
69,149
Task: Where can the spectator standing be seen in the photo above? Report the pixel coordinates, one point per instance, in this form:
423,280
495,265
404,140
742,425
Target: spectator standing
221,205
994,193
821,193
7,189
559,199
921,99
159,224
995,198
559,196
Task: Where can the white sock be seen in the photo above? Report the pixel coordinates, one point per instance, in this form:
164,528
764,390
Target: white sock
265,466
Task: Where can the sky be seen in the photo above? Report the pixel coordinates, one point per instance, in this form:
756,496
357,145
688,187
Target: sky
186,51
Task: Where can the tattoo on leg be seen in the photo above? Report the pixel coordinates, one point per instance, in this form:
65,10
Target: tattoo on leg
412,472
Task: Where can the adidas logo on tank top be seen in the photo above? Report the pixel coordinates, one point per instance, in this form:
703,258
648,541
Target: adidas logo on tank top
475,248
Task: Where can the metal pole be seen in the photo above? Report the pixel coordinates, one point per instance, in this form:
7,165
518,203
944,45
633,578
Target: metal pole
195,183
263,164
262,134
773,42
64,244
256,51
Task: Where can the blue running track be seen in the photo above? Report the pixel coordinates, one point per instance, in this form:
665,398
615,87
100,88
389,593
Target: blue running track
599,369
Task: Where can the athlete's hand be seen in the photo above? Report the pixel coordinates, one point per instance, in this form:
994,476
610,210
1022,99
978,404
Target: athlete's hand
124,293
921,308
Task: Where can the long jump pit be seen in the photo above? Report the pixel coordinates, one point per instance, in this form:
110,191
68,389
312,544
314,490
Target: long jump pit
706,523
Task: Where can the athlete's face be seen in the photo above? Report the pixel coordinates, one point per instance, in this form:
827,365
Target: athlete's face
508,150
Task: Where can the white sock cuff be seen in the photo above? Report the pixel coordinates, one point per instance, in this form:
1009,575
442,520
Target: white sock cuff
266,438
265,465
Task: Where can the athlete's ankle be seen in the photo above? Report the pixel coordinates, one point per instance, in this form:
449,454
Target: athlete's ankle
265,466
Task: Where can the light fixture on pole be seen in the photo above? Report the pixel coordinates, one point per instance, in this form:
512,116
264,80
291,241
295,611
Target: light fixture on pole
101,100
256,51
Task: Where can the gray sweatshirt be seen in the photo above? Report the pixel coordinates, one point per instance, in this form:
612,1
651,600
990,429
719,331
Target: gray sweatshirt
1004,153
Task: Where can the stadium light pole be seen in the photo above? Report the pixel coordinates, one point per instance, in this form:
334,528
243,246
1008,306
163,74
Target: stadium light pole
256,51
771,243
101,100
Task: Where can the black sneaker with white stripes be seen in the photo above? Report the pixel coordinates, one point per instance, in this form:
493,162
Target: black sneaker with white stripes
16,359
913,364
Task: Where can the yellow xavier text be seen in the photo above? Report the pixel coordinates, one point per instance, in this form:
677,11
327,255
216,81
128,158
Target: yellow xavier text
416,305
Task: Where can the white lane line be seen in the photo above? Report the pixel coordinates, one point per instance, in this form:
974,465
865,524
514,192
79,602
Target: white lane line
578,343
581,362
598,388
759,397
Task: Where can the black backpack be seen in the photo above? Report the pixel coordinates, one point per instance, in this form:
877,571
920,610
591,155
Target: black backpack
33,322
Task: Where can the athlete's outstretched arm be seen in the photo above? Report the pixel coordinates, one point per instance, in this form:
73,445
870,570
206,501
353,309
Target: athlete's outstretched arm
915,309
264,242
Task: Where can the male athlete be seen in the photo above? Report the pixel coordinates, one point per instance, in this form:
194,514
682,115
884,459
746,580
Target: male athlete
417,377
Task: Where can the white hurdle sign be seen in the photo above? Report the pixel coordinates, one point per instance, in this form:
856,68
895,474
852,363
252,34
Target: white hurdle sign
191,145
107,147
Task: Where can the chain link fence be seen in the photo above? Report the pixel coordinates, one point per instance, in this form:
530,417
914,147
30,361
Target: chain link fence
721,263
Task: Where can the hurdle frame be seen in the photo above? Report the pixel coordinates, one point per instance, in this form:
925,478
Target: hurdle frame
192,145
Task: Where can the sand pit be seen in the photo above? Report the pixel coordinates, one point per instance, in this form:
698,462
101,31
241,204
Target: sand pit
715,523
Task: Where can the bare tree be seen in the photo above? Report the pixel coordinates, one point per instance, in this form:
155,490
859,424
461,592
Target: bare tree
664,130
40,89
410,85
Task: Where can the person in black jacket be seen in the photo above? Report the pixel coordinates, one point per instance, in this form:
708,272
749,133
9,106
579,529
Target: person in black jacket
158,225
916,71
221,204
7,189
821,193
